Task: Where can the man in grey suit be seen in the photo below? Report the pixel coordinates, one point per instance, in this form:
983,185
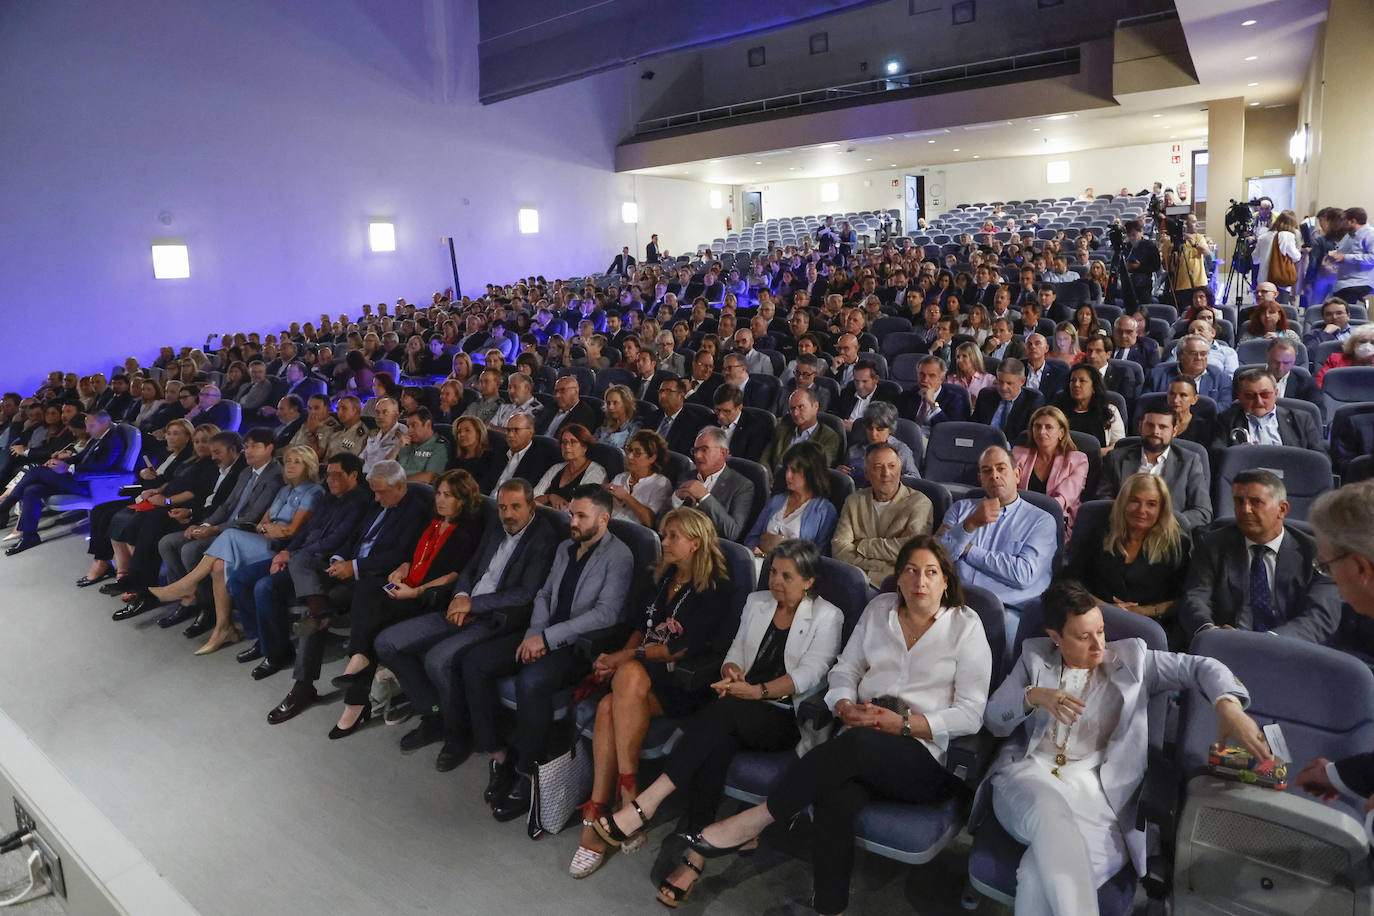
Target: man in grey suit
1258,419
245,507
1184,472
502,578
1256,573
586,590
725,496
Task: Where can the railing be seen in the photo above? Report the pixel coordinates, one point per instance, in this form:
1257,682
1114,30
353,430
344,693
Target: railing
1021,64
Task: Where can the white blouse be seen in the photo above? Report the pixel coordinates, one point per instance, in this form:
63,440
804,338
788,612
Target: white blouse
653,491
945,676
788,526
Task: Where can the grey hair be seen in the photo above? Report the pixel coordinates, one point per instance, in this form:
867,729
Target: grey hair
716,435
388,472
804,554
1267,479
1283,343
881,413
1189,338
1345,518
1012,366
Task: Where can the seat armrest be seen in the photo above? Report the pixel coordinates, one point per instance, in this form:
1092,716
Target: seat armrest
967,756
698,673
813,711
608,639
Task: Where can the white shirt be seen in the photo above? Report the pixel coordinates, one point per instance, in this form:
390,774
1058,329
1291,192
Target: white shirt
506,411
1281,385
1033,376
512,461
552,430
223,473
653,491
944,676
805,434
1156,469
708,482
497,567
1264,430
860,406
730,430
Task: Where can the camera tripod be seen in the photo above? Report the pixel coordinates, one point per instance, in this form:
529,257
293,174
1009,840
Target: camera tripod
1238,279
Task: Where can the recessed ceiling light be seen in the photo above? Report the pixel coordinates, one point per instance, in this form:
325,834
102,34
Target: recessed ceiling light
1157,116
975,157
1253,104
870,159
930,141
1058,117
791,168
956,149
1173,137
1252,84
1248,22
713,161
892,165
1252,57
1035,129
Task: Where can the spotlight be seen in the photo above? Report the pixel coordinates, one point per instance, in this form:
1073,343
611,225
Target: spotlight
892,67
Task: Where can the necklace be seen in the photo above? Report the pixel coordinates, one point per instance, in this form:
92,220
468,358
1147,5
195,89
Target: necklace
1061,747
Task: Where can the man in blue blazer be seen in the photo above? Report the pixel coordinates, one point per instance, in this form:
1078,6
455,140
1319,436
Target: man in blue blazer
501,580
383,539
1211,381
59,475
586,590
1047,376
1129,343
934,400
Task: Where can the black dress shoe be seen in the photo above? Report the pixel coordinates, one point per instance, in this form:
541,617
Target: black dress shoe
180,614
451,756
133,609
297,699
430,730
515,803
364,717
31,540
87,581
204,623
501,776
251,654
266,668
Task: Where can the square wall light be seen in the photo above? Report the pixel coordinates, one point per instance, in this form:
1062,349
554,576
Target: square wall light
629,212
830,192
171,260
716,200
529,221
381,235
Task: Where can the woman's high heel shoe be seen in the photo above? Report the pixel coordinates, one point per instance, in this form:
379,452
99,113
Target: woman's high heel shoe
610,831
704,848
364,717
233,636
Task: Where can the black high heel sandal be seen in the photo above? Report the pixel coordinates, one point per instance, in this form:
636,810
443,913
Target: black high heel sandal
704,848
672,896
610,831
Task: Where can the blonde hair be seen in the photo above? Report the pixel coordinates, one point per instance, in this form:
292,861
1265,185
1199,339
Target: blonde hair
1164,541
708,563
308,457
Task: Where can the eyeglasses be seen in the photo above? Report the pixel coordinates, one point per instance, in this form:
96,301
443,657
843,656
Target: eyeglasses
1324,566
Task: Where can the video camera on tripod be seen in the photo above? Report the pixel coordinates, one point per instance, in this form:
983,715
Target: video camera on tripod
1240,224
1174,224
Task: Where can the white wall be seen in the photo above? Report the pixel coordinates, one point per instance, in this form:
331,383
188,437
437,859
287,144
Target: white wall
266,134
1106,171
679,211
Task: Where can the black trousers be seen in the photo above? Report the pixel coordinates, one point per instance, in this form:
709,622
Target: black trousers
838,779
1352,294
143,533
373,611
711,739
101,516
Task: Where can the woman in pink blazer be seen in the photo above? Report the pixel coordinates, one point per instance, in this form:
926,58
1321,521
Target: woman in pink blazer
1052,464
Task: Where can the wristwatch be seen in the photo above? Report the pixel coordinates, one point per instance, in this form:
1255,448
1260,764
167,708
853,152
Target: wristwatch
906,724
640,652
763,690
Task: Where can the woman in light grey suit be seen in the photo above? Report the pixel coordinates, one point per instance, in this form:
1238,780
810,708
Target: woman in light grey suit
1066,785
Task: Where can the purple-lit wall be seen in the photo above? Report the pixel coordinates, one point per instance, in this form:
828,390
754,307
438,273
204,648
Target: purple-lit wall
268,133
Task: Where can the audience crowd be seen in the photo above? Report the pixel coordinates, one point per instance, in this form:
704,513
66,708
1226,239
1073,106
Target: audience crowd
561,484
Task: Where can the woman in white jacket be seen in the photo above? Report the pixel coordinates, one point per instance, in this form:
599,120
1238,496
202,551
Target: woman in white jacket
1066,785
914,674
1284,234
786,642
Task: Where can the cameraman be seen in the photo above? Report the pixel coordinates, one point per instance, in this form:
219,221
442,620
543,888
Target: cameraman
1142,260
1189,271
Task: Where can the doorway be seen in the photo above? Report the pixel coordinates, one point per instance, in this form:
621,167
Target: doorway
915,198
753,208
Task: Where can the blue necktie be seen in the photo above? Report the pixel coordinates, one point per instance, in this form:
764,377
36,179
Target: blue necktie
1001,416
371,537
1263,616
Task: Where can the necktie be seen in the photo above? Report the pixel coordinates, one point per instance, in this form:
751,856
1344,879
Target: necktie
664,426
365,547
247,493
1262,613
1001,416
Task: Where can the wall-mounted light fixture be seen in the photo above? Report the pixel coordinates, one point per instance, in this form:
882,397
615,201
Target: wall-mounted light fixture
629,212
381,234
171,259
529,221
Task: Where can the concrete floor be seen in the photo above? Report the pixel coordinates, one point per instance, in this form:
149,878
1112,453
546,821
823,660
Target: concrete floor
244,817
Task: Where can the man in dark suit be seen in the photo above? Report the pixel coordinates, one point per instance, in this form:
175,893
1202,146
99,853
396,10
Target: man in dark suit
1292,381
1129,343
502,578
754,392
1184,471
651,250
1119,377
569,408
1009,404
1047,376
622,263
1257,419
747,433
117,398
59,475
805,375
1002,343
290,415
934,400
383,539
857,395
1256,573
678,426
587,589
724,495
525,457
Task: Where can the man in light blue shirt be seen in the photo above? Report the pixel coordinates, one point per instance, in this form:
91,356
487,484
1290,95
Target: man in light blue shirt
1001,542
1354,257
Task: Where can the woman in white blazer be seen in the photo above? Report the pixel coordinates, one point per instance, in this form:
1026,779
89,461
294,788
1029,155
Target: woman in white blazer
1066,785
786,642
914,674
